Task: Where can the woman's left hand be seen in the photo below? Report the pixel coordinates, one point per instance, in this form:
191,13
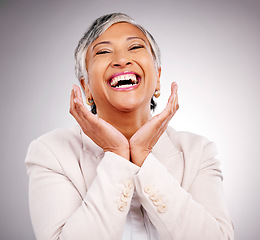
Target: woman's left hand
143,141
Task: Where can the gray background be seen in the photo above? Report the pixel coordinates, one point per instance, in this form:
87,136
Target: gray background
211,48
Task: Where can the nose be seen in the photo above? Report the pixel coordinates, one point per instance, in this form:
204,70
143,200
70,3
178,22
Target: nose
121,59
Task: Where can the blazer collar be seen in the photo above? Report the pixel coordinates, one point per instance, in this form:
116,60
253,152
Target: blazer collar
89,146
163,149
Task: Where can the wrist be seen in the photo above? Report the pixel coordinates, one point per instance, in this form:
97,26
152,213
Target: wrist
139,156
124,153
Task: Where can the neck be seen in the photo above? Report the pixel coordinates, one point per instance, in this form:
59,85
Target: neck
126,122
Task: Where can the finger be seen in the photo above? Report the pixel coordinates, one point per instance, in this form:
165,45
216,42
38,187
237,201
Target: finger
173,96
75,102
167,114
88,122
158,121
175,91
73,107
74,94
78,101
171,113
78,92
171,106
72,103
80,108
85,114
74,110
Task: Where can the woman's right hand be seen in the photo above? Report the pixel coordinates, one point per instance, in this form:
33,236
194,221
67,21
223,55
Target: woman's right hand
102,133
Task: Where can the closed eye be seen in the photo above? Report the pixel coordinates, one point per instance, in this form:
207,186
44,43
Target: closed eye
136,47
102,52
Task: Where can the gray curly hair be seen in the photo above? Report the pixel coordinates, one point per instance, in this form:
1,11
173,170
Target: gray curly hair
98,27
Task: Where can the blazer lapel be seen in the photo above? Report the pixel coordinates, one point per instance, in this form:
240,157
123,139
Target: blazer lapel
170,156
90,156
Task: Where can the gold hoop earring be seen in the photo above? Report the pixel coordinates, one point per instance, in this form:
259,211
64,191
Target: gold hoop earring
157,93
89,101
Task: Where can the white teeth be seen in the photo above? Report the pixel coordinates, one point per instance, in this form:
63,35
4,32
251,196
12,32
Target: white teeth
115,80
124,86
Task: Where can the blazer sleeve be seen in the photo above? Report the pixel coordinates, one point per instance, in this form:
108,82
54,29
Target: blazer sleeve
199,212
57,209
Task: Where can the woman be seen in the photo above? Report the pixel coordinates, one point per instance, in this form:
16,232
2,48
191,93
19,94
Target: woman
124,174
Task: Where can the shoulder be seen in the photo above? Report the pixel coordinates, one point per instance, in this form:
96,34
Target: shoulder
199,154
55,156
192,144
61,136
55,145
185,138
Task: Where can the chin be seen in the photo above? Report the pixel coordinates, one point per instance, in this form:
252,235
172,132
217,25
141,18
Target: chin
129,103
127,109
131,107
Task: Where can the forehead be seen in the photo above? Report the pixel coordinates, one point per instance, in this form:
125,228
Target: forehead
120,31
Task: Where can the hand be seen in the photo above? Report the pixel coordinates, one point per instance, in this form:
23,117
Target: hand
102,133
143,141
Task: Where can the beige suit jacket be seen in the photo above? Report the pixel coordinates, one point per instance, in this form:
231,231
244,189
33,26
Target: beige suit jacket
76,191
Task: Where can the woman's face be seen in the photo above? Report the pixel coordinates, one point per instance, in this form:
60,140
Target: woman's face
121,70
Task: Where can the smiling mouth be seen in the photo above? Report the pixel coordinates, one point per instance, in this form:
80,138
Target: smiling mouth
124,80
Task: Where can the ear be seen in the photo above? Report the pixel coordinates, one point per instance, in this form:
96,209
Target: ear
158,83
85,87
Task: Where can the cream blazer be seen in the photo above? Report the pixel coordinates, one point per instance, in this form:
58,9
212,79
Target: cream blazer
76,191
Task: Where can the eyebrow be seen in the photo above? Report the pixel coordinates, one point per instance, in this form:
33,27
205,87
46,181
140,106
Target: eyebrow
128,39
104,42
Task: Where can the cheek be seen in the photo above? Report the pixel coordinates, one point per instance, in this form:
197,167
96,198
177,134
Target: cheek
94,63
95,73
93,68
148,63
151,72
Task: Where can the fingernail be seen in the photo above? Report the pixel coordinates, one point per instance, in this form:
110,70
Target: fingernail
75,100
